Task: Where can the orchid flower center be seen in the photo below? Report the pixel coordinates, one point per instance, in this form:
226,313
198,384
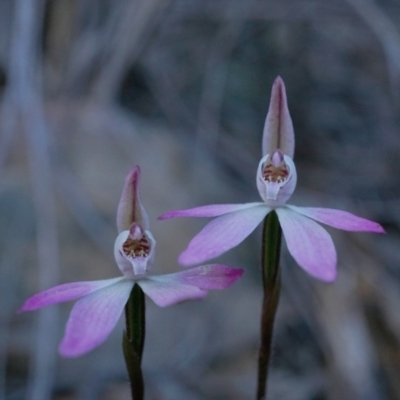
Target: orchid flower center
134,251
134,248
275,173
275,169
276,178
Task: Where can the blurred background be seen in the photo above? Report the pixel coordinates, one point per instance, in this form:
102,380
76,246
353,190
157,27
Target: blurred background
181,87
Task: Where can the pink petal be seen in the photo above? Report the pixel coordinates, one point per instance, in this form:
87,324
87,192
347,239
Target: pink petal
208,211
165,292
93,318
222,234
130,208
65,292
309,244
278,128
207,277
339,219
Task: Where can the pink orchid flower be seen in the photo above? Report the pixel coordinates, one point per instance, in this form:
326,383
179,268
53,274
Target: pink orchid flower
309,244
102,302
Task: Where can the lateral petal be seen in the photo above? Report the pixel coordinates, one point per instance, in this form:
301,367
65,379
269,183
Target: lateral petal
222,234
214,210
309,244
93,318
339,219
65,292
165,292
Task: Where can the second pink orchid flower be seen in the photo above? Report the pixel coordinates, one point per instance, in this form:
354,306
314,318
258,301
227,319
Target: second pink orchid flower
102,302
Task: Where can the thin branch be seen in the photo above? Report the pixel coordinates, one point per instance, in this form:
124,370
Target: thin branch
22,77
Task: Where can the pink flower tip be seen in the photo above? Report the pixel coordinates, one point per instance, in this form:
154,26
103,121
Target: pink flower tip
328,277
379,229
211,277
134,173
278,81
29,305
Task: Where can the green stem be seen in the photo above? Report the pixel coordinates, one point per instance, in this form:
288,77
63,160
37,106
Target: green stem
133,340
271,245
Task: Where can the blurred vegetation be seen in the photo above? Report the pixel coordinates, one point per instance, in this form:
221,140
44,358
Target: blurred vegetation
90,88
